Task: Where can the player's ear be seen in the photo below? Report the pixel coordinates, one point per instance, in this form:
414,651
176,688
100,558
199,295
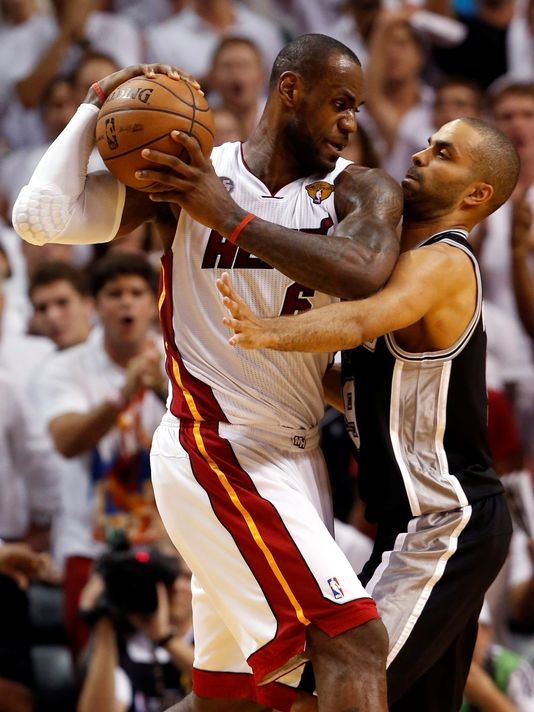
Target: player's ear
479,193
290,88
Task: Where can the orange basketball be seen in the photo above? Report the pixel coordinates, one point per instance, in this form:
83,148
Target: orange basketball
141,113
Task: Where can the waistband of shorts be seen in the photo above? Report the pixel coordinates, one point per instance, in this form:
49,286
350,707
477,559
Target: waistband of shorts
283,438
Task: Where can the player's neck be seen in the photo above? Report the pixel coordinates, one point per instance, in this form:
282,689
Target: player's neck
265,157
415,232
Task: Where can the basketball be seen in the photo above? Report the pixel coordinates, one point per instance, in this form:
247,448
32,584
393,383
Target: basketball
141,113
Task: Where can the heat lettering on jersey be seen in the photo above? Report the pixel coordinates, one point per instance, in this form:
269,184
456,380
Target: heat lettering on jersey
297,299
220,253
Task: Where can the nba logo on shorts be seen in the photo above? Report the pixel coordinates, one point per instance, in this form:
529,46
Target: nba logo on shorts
336,588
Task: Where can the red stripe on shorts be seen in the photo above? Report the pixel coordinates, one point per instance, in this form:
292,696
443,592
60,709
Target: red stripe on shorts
264,542
227,685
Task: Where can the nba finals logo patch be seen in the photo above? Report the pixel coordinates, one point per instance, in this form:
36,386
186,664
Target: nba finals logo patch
228,183
335,587
319,191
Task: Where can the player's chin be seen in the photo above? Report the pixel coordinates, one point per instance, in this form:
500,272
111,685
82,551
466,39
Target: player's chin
324,163
329,159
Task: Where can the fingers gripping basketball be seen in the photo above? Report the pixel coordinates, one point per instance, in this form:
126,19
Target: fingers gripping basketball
141,113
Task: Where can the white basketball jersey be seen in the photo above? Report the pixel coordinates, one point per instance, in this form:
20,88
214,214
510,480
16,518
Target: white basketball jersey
212,380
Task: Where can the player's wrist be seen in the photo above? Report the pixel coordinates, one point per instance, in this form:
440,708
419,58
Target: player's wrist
237,225
98,92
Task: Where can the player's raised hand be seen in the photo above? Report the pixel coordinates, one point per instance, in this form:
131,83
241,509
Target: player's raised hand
251,331
100,90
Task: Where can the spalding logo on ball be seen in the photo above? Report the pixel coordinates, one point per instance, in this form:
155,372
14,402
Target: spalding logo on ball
141,113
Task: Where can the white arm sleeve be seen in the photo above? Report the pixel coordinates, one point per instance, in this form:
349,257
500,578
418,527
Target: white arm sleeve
61,203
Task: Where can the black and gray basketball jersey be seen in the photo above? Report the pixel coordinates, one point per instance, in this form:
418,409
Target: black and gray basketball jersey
418,420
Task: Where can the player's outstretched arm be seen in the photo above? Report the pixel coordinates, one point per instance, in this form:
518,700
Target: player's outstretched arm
317,330
352,263
431,289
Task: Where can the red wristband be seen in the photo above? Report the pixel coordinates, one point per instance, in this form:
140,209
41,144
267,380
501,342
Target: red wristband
240,226
99,91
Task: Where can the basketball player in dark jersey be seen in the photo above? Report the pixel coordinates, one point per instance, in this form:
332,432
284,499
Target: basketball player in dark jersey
414,396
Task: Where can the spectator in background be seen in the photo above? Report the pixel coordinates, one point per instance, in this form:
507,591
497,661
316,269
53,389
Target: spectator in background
520,42
237,79
29,483
91,67
62,306
302,16
145,12
102,401
483,53
354,25
142,641
18,565
512,110
228,127
19,352
101,31
360,149
56,108
31,37
63,313
522,256
28,503
455,97
357,19
189,37
398,101
499,680
46,44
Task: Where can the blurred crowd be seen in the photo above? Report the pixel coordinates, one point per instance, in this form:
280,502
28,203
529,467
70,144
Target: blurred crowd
82,378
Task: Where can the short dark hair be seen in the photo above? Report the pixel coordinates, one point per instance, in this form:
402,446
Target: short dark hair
57,271
49,89
118,263
502,90
91,55
497,161
307,55
234,40
479,96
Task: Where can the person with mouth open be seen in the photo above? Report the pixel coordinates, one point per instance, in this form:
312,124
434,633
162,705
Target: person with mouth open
101,401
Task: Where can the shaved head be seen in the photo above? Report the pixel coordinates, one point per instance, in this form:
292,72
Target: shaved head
496,160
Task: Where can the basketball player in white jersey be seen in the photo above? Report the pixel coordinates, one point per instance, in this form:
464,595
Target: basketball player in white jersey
414,397
237,470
